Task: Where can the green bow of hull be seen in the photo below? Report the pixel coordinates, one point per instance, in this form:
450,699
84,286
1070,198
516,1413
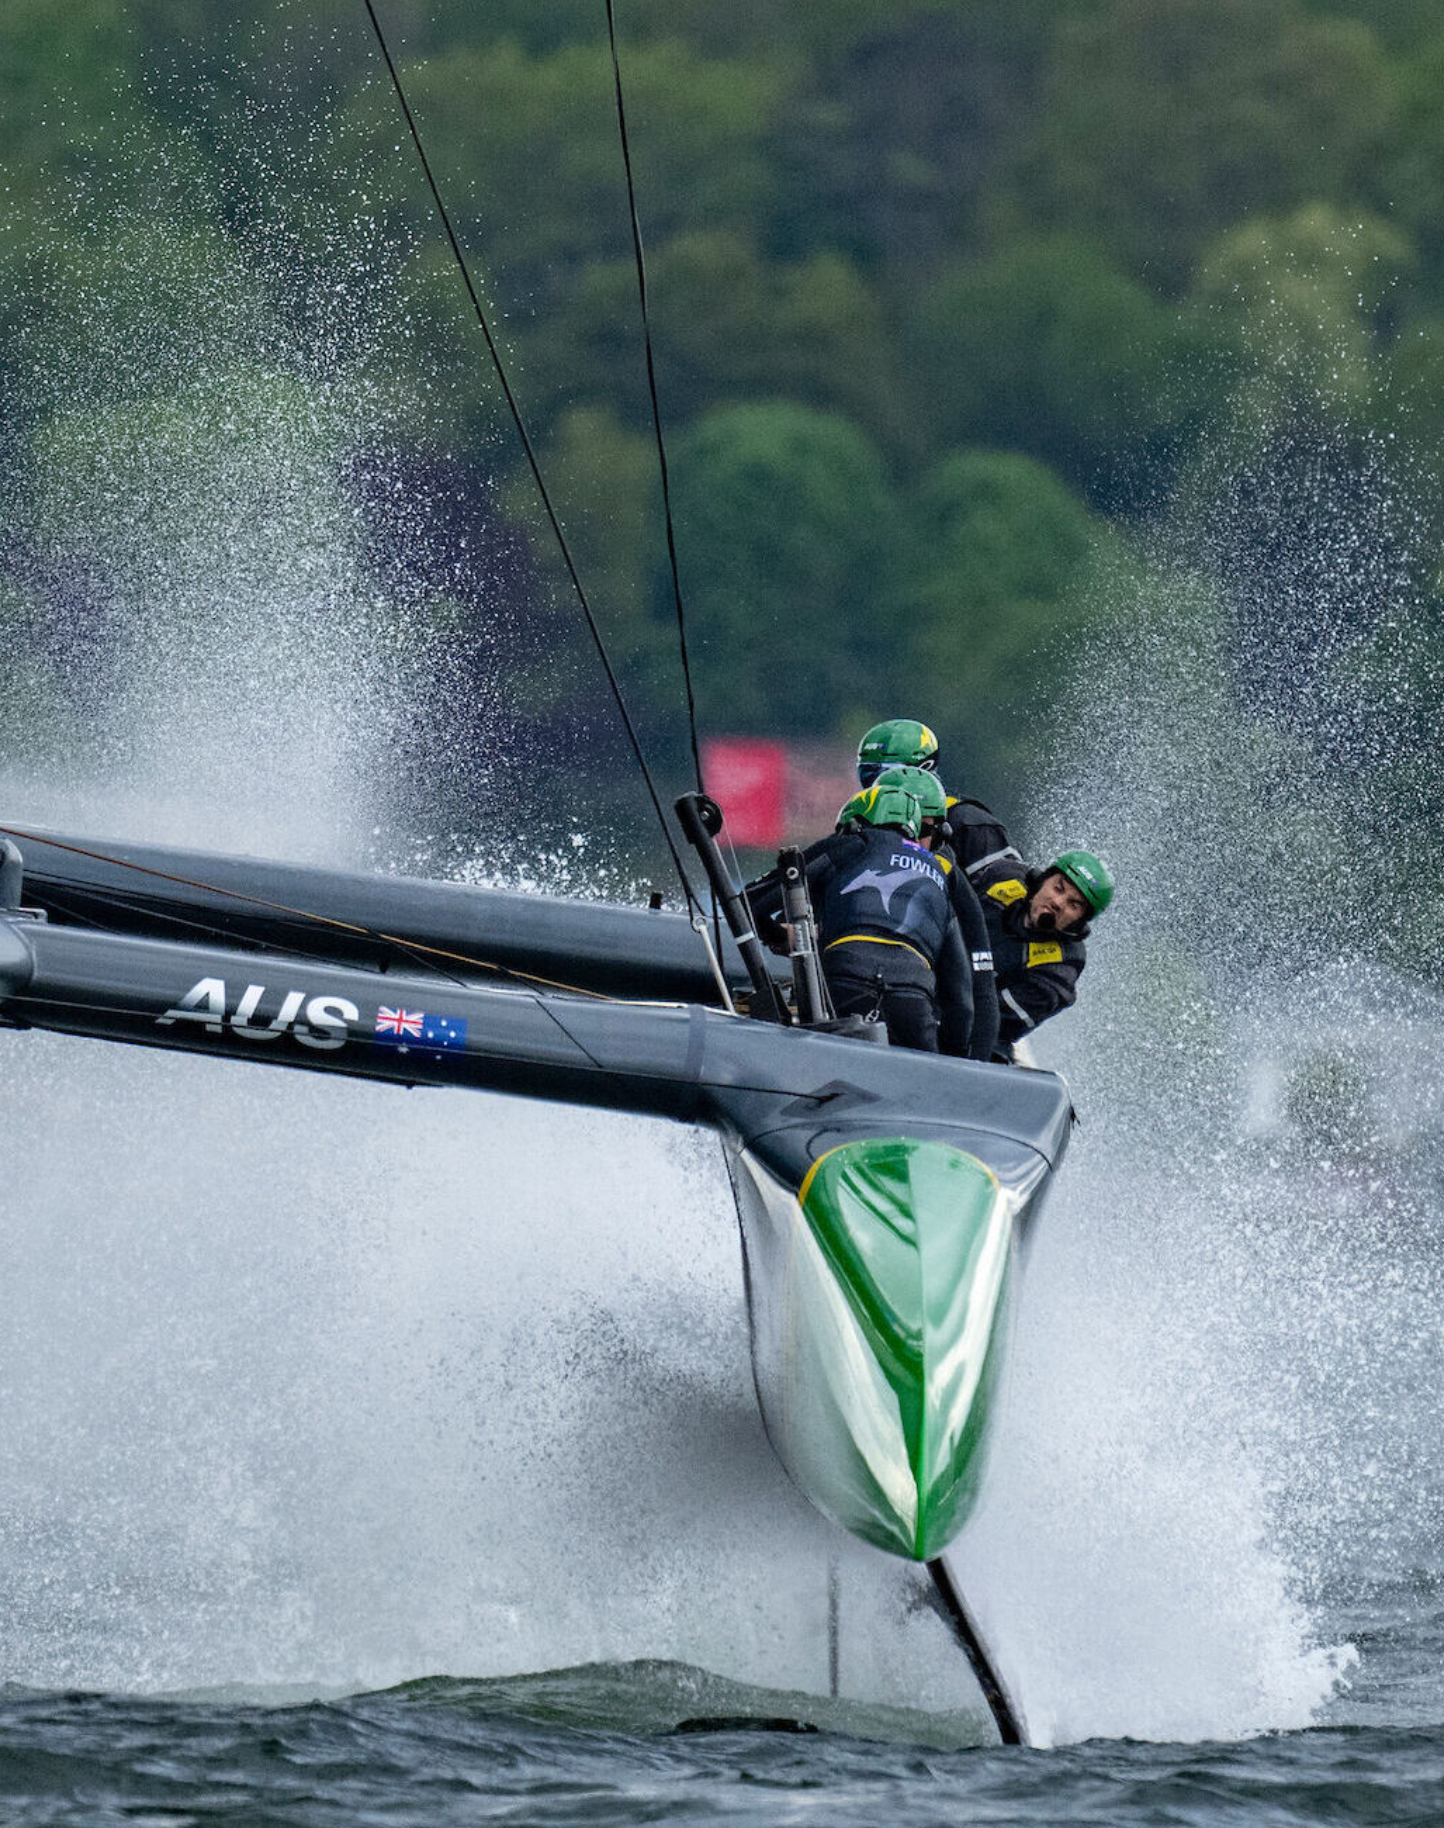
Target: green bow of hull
879,1296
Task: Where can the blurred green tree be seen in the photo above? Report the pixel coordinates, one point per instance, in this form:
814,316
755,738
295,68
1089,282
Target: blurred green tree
240,461
76,142
536,137
785,522
1412,168
1048,347
1401,25
1307,300
996,594
727,324
602,478
1164,122
1297,497
65,96
136,309
899,131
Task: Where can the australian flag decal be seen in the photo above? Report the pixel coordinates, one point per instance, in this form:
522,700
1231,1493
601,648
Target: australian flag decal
443,1031
416,1028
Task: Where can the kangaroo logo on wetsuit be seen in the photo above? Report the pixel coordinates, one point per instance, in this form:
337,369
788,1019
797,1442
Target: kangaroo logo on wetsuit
913,872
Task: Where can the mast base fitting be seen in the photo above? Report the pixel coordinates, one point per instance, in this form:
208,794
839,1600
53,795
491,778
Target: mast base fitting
709,813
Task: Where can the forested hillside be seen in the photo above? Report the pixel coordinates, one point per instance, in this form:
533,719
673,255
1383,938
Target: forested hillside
957,302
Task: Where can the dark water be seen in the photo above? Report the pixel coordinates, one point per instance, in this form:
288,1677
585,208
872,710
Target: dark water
654,1742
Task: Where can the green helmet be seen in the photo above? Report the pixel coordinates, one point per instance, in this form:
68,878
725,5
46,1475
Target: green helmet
1090,875
896,797
852,809
927,787
901,742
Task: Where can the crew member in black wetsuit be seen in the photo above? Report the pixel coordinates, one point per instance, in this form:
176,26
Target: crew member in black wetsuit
1039,924
887,928
972,921
978,836
978,941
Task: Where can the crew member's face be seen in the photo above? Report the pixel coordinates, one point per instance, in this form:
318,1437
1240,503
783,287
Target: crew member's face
1055,906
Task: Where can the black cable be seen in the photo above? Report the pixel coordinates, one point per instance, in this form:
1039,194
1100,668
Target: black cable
662,468
531,456
652,390
419,950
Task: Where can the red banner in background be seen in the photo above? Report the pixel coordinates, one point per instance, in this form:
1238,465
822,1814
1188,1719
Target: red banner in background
775,793
747,777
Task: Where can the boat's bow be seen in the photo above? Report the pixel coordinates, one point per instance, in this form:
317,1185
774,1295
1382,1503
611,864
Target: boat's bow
879,1293
908,1247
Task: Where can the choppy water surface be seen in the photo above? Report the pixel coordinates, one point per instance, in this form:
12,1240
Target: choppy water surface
622,1744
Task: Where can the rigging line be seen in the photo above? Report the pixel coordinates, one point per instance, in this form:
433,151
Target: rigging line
531,456
404,946
73,906
652,391
417,949
669,522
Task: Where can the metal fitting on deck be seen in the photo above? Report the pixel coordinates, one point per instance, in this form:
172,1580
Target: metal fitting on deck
12,875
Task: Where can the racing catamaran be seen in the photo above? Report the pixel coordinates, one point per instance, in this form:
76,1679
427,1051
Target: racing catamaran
883,1195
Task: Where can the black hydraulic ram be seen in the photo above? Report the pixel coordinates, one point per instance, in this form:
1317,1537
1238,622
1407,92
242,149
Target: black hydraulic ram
813,1003
701,820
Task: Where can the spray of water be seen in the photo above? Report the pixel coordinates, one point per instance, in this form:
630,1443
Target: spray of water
1217,1448
315,1385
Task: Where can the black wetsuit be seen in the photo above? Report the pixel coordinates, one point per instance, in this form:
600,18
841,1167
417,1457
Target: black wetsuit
889,934
1037,973
980,839
978,944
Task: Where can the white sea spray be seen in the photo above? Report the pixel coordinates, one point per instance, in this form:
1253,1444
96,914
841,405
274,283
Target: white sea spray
1222,1424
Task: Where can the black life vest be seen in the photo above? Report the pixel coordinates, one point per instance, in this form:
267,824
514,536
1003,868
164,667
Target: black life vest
885,887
